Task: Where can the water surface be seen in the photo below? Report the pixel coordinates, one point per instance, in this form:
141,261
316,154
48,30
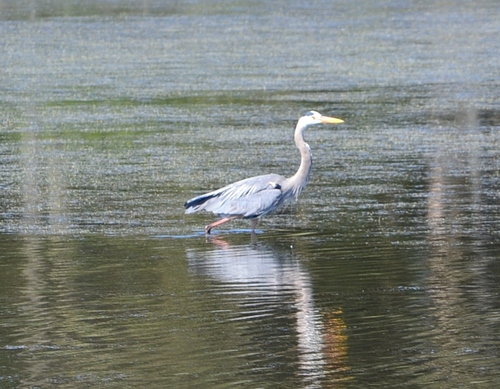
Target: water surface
384,274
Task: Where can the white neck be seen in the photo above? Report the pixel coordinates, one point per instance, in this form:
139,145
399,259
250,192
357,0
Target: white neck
299,180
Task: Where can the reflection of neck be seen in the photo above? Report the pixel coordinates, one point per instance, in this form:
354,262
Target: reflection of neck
310,330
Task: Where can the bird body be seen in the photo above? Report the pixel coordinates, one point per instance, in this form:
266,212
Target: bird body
258,196
249,198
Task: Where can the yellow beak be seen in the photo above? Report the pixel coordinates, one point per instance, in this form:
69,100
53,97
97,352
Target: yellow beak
329,120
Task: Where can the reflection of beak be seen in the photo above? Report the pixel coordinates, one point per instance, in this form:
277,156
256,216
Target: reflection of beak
329,120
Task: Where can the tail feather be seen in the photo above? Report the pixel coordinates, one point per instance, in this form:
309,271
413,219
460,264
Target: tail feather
196,203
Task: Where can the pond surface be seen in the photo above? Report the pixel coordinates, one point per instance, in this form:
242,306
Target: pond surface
385,273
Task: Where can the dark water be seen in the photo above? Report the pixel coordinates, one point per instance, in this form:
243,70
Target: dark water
386,272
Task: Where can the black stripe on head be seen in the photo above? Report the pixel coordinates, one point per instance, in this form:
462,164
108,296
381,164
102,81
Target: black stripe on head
310,113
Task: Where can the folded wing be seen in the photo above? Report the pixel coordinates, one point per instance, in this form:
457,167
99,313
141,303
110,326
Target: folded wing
249,198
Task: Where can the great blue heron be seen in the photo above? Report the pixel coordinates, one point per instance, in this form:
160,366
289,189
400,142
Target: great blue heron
258,196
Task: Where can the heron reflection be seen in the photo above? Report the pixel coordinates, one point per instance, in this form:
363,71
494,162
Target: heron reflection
270,286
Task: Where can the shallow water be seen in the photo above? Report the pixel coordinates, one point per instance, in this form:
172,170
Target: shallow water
385,273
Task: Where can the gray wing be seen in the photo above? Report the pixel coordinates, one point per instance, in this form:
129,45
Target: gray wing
249,198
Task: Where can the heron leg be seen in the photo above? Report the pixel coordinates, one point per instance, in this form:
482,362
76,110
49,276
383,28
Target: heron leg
253,223
217,223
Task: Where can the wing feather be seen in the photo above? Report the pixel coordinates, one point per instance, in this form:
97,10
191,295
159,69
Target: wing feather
252,197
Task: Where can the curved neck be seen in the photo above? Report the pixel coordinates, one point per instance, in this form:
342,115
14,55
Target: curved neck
299,180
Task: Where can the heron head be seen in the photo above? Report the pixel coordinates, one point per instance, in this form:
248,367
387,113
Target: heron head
313,117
